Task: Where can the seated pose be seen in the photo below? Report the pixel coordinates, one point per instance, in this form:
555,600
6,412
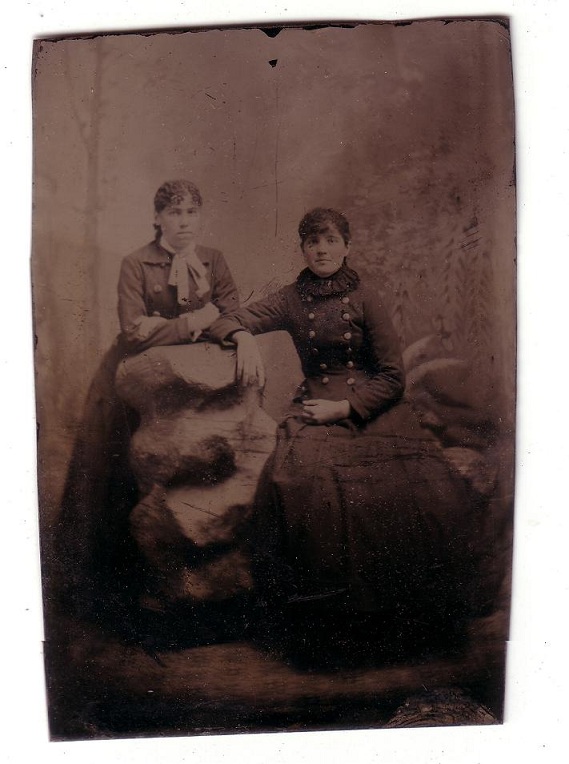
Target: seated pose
170,291
357,513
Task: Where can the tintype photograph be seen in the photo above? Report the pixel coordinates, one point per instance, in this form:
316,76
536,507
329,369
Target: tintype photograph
274,309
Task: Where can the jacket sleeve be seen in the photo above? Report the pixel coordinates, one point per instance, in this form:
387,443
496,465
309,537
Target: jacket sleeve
267,315
140,331
224,294
385,383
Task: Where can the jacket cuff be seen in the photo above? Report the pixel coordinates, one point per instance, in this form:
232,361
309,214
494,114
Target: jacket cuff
224,328
361,411
207,315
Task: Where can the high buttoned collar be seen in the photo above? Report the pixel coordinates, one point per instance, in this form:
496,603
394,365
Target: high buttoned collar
344,280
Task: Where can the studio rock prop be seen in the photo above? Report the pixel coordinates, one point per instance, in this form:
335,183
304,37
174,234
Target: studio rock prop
197,456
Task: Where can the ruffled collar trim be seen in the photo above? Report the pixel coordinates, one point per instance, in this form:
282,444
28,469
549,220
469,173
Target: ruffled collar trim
344,280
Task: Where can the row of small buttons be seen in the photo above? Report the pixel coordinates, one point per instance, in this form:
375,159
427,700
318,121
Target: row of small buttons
347,336
349,381
311,315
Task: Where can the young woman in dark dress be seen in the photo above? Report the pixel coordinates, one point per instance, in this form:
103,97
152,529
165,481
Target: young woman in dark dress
360,526
170,291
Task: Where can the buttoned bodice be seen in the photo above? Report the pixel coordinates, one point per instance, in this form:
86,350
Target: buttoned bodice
328,334
344,338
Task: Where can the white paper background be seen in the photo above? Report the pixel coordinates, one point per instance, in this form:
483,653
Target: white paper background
536,707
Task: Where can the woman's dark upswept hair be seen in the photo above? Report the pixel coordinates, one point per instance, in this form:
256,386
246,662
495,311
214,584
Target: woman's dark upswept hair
319,219
173,191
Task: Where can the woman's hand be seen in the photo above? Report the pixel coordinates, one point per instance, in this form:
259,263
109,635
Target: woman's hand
250,368
318,411
201,319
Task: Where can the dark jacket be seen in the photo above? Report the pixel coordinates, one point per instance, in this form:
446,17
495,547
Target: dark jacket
144,293
343,335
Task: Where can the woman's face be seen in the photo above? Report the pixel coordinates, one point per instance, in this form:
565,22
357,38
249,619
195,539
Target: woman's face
180,223
325,251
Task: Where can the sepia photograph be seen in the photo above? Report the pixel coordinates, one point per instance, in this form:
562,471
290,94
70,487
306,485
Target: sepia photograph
274,300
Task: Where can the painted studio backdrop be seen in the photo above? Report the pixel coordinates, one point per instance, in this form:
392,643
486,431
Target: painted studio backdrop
408,130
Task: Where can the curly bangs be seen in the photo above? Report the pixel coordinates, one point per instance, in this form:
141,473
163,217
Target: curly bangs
173,192
318,221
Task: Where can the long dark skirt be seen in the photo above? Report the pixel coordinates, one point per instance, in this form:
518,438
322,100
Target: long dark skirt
92,540
365,520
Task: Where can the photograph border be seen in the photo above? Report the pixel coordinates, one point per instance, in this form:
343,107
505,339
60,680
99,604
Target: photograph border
539,526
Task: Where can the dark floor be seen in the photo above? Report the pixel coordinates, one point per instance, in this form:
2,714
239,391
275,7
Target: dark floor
124,682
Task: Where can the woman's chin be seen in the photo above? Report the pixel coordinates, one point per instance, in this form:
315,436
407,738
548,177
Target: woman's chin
325,272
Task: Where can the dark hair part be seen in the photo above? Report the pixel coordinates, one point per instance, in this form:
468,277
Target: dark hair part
319,219
173,191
